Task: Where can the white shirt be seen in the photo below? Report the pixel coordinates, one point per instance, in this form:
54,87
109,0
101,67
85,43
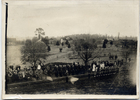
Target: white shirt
94,67
38,67
102,65
23,73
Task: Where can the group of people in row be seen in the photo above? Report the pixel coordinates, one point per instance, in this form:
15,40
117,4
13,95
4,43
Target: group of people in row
96,66
113,57
74,68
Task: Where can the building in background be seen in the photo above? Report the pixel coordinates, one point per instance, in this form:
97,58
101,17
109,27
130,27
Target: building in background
11,41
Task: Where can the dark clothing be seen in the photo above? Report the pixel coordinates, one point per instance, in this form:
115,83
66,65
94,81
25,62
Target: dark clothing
66,79
116,57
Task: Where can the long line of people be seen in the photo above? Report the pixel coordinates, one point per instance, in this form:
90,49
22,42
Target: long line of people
59,70
76,68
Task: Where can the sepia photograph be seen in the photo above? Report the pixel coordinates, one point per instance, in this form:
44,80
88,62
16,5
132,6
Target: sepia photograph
70,49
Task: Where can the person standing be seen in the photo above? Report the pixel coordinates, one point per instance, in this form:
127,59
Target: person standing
129,59
93,67
88,73
39,66
59,70
98,65
66,76
116,57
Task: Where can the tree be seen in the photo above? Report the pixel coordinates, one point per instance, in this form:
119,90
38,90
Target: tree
111,43
85,49
33,50
124,43
126,53
45,40
57,43
40,32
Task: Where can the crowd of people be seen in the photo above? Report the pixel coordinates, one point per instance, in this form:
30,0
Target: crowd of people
76,68
60,70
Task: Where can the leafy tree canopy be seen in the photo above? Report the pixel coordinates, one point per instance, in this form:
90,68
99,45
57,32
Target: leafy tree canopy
45,40
33,50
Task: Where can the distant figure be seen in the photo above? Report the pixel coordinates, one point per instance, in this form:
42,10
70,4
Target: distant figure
116,57
115,63
11,67
23,73
39,66
122,61
112,56
109,54
94,67
98,66
102,65
66,79
60,49
118,63
66,76
74,63
62,43
17,68
129,59
88,73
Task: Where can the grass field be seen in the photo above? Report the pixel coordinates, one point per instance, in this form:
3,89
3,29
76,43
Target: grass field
118,84
13,55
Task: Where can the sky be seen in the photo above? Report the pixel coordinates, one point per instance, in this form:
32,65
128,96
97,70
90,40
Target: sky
63,18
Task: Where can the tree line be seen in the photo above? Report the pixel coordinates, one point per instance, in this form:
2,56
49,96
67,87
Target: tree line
84,45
